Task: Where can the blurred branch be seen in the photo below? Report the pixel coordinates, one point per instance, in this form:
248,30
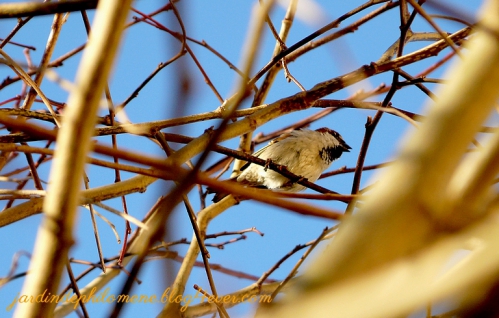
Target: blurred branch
436,197
24,9
406,231
305,100
263,90
137,243
55,235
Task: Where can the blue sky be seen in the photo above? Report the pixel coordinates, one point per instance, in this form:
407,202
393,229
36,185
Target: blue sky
224,26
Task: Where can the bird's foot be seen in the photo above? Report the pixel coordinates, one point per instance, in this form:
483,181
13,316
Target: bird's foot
267,164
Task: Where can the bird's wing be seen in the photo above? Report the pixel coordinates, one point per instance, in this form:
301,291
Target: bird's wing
256,154
259,152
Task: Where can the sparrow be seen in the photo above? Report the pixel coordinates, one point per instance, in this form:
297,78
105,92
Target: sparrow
306,153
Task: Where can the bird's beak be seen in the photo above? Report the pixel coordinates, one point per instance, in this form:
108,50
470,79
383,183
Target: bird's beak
346,148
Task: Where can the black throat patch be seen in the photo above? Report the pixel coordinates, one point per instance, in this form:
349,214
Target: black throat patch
329,154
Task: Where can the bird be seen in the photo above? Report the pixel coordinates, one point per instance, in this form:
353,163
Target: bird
306,153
